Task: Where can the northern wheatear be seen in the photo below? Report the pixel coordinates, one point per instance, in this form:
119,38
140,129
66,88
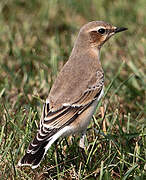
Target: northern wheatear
75,93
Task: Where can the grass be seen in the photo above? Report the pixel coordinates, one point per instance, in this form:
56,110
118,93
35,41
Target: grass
36,38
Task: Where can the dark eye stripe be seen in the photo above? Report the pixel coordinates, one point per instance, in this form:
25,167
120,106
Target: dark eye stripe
109,30
106,31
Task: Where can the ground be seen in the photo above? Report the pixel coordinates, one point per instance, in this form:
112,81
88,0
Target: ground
36,38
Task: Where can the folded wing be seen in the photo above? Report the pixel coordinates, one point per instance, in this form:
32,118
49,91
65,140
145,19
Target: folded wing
54,124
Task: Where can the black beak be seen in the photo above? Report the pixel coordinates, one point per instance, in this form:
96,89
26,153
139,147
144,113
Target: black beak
119,29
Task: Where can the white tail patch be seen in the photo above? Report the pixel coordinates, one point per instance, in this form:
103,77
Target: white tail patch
56,136
53,139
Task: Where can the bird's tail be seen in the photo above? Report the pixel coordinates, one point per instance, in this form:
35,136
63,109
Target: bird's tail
39,146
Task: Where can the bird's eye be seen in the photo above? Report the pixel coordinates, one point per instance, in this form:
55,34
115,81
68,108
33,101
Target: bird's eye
101,30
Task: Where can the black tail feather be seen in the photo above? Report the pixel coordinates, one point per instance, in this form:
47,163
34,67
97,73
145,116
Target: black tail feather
34,159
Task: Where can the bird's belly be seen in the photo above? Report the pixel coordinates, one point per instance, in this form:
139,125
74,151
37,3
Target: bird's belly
85,118
82,121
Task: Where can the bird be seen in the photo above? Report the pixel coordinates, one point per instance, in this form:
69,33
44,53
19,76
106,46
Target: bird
75,93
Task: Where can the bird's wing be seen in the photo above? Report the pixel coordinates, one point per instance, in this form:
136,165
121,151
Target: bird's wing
54,123
93,90
69,111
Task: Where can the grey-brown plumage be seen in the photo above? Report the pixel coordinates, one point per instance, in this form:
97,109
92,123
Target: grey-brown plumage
75,93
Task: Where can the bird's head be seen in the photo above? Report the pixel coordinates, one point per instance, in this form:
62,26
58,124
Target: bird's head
98,32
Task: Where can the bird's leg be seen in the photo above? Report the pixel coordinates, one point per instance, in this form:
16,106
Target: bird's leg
82,140
82,147
103,109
